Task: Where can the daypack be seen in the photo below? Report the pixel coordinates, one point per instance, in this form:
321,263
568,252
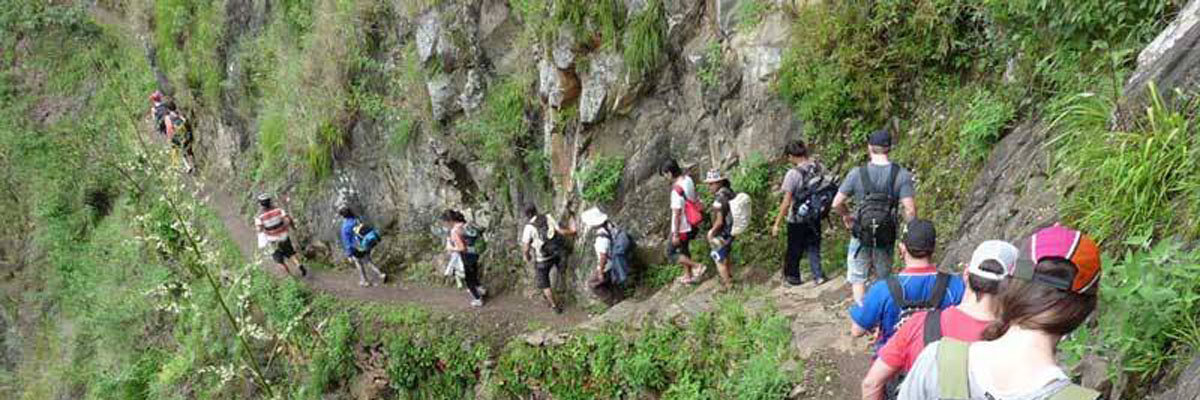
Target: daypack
549,242
813,200
160,114
875,220
472,237
910,307
954,382
692,210
182,136
740,209
365,237
620,246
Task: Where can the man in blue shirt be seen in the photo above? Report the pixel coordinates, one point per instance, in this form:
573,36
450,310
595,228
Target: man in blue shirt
917,282
361,259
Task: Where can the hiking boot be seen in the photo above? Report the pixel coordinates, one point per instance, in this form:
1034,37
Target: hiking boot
477,303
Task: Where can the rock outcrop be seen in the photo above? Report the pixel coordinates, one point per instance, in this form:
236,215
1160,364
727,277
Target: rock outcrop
1169,62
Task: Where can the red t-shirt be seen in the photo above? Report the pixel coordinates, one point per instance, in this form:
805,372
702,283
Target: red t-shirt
904,347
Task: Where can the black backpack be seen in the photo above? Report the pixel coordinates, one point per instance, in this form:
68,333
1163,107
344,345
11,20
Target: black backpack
910,307
160,115
553,247
875,222
813,200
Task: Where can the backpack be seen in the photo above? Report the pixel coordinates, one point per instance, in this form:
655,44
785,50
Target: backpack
692,210
932,333
909,307
365,236
875,218
954,381
160,114
472,237
813,200
549,242
620,246
182,135
740,209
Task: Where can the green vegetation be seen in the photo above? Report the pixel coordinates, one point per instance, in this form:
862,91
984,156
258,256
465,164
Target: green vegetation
753,177
711,63
500,130
645,41
984,122
729,353
751,12
599,181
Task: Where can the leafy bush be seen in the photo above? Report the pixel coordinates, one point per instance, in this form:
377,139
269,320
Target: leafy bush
645,40
984,122
499,129
599,181
751,12
1138,183
752,176
711,62
333,362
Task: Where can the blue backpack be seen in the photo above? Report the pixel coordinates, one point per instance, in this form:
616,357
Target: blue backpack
366,237
618,258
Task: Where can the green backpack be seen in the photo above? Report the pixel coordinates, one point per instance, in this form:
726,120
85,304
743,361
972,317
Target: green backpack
953,383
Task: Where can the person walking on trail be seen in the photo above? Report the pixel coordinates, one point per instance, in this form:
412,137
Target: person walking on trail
462,241
179,134
803,225
686,214
721,233
919,287
613,246
988,267
543,242
158,111
273,225
877,189
358,240
1051,292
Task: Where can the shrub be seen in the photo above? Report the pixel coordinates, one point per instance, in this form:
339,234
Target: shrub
599,181
752,176
500,128
645,40
333,362
709,73
751,12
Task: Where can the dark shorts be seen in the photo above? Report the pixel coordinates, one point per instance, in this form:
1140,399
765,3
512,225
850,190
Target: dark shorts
542,272
683,250
283,251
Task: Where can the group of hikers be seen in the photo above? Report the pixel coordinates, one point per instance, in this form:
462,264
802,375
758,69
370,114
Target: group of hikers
990,332
170,123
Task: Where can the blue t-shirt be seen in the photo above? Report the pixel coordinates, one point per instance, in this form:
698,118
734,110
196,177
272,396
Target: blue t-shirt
349,239
879,310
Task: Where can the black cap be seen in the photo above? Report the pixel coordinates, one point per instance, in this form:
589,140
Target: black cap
880,138
920,236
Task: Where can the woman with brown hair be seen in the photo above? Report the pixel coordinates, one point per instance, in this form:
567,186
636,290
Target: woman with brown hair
1050,294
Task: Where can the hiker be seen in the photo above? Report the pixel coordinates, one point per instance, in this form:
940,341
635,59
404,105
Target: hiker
462,241
805,203
543,242
359,240
919,287
876,188
721,233
686,213
158,110
613,247
989,265
179,134
1050,293
273,223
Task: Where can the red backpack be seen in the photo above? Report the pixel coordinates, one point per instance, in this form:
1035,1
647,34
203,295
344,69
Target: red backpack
692,210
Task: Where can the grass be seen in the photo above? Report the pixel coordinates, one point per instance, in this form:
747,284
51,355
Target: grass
750,13
711,64
986,118
599,181
645,40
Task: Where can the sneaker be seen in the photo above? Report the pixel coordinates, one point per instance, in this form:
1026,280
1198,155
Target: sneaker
820,281
477,303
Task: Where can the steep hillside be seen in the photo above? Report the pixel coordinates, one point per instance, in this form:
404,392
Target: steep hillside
123,278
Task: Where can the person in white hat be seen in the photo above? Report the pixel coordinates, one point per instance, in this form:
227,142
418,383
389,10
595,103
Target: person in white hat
991,262
595,218
721,233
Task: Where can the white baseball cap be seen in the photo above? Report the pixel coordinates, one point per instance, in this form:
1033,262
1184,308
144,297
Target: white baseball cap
999,251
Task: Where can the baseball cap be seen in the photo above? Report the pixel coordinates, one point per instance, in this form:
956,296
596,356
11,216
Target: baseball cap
881,138
999,251
1066,243
920,235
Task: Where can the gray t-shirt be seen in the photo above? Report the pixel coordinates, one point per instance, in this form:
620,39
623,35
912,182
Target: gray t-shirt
851,186
922,381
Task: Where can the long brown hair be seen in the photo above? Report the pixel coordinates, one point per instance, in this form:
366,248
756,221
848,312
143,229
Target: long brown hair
1040,307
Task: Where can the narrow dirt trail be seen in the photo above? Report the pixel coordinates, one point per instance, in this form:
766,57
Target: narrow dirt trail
507,311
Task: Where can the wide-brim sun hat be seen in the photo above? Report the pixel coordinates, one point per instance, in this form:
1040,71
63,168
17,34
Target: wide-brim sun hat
593,217
714,176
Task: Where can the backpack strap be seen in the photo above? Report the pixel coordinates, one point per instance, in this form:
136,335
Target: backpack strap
892,184
1075,392
933,326
864,180
953,383
897,292
940,287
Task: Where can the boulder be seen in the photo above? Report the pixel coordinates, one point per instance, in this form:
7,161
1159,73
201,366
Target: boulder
606,68
727,15
760,53
1169,62
555,85
563,51
429,28
471,96
1188,386
441,96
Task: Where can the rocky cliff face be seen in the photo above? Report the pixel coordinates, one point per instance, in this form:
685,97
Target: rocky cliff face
589,104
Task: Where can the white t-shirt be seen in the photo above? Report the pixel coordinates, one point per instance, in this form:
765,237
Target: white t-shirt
602,242
530,237
678,202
